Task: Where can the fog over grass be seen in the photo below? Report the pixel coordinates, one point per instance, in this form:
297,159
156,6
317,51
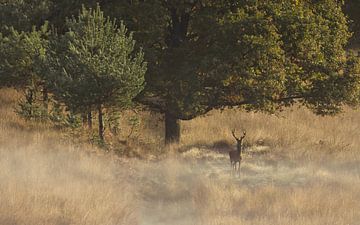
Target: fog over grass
62,188
67,187
298,169
184,191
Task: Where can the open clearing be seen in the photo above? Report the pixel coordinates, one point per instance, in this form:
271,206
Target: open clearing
192,188
308,175
275,191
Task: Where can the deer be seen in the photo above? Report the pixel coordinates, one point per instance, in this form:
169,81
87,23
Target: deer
235,155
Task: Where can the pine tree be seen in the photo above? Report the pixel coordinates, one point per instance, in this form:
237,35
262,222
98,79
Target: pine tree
95,65
22,15
21,56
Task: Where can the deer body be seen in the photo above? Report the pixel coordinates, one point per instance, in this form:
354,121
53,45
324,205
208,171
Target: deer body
235,155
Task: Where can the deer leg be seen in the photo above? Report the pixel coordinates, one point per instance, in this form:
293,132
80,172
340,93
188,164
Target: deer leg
231,168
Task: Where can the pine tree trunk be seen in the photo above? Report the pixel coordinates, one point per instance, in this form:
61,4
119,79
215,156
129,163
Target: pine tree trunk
84,119
89,120
101,123
172,129
45,98
30,96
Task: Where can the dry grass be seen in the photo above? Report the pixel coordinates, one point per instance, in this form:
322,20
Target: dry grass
309,174
44,180
314,204
296,133
178,191
56,188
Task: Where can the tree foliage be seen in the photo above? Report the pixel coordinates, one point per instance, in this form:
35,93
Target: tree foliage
22,15
96,65
19,53
21,57
352,9
256,54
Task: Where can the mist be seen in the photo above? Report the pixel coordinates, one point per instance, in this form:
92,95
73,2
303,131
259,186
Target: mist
47,178
196,187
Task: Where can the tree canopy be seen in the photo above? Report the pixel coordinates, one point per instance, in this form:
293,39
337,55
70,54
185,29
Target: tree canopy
259,55
22,15
352,9
19,52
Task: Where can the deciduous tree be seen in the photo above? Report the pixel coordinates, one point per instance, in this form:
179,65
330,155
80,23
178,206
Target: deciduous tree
256,54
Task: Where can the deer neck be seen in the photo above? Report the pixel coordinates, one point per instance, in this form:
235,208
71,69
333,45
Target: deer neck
238,147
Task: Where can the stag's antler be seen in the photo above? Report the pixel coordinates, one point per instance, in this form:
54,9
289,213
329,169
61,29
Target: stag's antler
242,137
233,133
244,134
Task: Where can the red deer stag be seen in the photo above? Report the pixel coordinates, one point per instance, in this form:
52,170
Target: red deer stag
235,155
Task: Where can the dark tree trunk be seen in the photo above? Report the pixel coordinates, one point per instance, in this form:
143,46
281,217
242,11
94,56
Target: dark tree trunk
30,98
178,29
84,119
172,129
89,120
45,98
101,123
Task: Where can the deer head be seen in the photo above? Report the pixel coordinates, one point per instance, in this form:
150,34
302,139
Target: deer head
236,138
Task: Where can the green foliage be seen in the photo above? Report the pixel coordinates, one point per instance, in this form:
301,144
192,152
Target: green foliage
96,64
73,121
112,120
261,55
57,115
352,9
22,15
60,10
32,111
19,57
134,122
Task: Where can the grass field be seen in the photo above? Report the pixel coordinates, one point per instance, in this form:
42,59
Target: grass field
298,169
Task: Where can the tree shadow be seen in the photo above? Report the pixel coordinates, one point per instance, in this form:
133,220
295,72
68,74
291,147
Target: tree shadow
221,147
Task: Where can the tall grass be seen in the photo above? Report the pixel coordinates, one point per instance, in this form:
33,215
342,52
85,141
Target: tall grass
41,187
317,203
47,179
296,132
